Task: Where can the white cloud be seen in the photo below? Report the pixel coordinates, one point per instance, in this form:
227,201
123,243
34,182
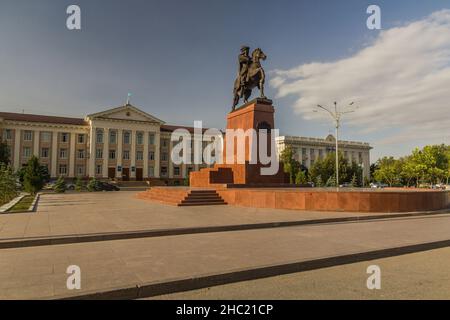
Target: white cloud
400,81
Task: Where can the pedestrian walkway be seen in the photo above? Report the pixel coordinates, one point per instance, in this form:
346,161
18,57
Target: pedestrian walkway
151,266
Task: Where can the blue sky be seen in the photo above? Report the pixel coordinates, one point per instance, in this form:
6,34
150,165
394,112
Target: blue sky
178,59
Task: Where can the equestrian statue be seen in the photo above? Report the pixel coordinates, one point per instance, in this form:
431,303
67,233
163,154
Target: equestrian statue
250,75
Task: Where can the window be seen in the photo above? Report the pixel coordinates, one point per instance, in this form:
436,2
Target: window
27,135
7,134
139,155
63,153
112,137
164,171
80,154
81,138
320,154
165,143
98,153
126,138
27,152
46,136
98,169
164,156
139,138
64,137
151,139
44,152
126,155
80,170
99,136
62,169
151,171
112,154
151,155
176,171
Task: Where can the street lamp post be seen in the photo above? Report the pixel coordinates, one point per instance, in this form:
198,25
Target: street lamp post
337,115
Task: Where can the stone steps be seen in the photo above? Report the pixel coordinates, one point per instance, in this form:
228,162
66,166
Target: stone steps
182,197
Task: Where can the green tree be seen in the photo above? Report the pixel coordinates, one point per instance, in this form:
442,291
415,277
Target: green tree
354,182
78,184
326,168
331,182
4,153
388,171
33,180
301,177
60,185
8,187
319,181
290,165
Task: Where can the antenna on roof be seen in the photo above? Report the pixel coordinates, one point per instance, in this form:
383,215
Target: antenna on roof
128,99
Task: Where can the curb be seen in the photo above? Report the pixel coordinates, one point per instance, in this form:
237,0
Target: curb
12,203
46,241
152,289
32,207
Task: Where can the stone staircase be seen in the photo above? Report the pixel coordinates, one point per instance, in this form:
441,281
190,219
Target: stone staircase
182,197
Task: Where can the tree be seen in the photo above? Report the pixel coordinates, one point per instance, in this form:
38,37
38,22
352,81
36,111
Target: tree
33,180
326,168
301,178
78,184
4,153
60,185
290,165
331,182
388,171
319,181
354,182
8,187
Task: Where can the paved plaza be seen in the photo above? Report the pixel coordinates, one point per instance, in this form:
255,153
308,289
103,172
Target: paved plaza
148,266
96,213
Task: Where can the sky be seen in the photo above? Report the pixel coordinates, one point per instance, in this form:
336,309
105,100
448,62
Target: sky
178,59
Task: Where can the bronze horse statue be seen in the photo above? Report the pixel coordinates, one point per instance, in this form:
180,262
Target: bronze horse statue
256,78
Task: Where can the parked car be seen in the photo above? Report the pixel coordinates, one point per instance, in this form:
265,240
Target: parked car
70,186
49,185
104,186
378,185
346,185
109,187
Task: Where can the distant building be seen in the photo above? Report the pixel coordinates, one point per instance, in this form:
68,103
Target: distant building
122,143
307,150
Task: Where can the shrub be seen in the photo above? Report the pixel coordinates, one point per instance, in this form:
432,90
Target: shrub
60,185
8,187
78,184
92,186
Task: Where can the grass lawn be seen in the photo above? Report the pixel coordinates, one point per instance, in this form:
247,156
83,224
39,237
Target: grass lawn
22,205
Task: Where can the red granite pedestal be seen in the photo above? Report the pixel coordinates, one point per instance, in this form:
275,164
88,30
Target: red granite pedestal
257,114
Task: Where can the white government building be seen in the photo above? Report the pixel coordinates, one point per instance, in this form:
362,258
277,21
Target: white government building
123,143
308,150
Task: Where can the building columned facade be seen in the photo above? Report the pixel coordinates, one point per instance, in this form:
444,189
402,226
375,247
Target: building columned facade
126,143
123,143
307,150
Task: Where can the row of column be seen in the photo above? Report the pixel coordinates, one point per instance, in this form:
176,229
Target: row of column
119,152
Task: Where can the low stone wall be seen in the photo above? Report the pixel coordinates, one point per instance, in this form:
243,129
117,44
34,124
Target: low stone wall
325,200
